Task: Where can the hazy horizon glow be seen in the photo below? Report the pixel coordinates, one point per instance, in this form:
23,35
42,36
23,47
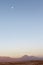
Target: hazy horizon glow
21,28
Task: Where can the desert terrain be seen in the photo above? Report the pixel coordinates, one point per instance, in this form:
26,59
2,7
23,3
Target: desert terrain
23,63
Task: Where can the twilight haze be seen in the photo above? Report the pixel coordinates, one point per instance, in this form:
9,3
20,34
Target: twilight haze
21,28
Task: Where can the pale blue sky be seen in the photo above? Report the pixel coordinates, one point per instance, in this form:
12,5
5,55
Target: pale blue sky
21,27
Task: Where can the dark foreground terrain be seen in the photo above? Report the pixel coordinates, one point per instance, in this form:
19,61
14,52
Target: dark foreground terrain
23,63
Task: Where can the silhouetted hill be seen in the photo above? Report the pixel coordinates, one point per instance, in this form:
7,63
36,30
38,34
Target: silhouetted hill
23,58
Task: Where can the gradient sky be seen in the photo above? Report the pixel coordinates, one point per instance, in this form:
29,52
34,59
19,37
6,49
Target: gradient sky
21,27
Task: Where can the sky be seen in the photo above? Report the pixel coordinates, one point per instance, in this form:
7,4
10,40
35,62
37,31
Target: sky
21,28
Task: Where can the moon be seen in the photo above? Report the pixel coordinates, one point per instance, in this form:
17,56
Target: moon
12,7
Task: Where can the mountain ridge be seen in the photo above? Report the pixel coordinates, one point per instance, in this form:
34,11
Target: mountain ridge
23,58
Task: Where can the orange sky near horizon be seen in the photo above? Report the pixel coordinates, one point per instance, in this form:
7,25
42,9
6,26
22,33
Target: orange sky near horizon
17,54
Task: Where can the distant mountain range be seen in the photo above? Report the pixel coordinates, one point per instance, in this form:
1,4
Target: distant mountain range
23,58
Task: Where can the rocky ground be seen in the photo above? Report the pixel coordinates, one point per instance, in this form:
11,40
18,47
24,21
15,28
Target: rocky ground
23,63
